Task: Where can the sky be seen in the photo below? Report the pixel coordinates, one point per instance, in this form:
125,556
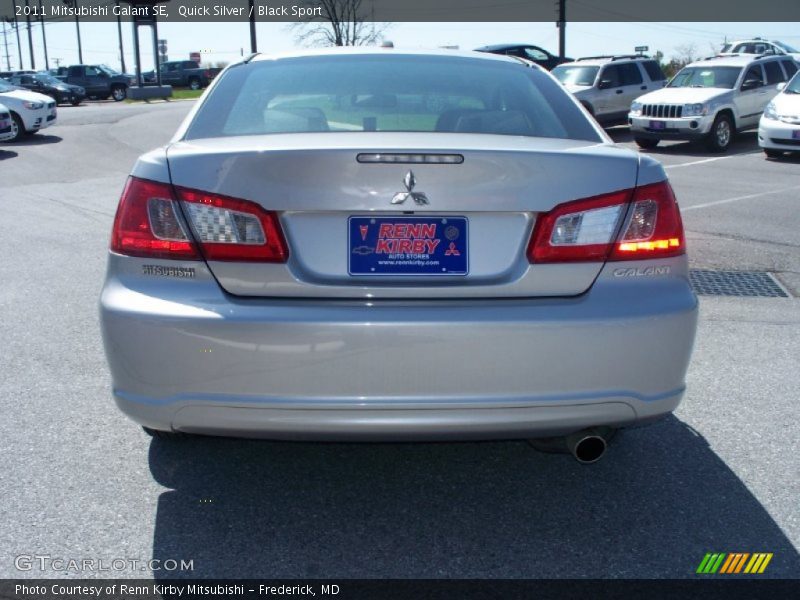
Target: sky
225,42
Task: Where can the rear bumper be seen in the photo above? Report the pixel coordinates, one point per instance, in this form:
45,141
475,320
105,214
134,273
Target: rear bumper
186,356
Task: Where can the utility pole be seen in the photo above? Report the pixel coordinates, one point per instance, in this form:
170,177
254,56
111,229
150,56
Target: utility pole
74,4
562,28
30,36
253,44
44,36
5,41
119,33
16,28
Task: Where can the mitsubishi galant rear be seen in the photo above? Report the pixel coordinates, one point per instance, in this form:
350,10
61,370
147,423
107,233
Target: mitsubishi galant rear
390,245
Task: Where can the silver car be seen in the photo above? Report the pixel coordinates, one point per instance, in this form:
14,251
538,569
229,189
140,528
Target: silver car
396,245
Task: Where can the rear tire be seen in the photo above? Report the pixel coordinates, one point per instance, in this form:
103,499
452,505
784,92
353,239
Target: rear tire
721,135
646,143
75,102
194,83
166,435
773,153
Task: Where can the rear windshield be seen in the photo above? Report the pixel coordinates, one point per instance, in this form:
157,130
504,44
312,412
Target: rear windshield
388,93
576,75
713,77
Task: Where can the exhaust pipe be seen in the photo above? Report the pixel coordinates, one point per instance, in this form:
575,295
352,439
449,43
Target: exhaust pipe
587,446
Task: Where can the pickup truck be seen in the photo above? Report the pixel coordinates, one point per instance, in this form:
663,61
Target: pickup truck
181,73
99,81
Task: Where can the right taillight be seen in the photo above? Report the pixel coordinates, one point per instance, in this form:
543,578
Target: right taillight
627,225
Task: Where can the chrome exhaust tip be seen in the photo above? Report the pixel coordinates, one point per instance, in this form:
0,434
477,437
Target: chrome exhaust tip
587,446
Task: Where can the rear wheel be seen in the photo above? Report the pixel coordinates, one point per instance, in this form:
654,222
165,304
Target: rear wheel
194,83
721,135
76,102
773,153
119,93
646,143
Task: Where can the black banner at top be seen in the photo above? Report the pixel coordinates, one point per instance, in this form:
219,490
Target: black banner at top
407,10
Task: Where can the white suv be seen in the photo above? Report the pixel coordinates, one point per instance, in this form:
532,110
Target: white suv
606,85
710,100
760,46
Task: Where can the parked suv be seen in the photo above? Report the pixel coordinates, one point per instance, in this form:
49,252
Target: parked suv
760,46
710,100
606,85
99,81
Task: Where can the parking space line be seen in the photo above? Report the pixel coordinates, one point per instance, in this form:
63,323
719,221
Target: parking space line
737,198
708,160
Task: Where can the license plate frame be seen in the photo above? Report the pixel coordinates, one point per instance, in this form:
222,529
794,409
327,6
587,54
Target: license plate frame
658,125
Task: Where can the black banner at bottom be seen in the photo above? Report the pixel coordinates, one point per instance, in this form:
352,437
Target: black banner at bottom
357,589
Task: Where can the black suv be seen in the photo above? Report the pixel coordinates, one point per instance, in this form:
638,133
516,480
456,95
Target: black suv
44,83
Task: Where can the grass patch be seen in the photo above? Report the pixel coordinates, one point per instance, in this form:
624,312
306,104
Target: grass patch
177,94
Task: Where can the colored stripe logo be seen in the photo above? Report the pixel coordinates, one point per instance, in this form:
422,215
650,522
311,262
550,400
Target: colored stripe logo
731,563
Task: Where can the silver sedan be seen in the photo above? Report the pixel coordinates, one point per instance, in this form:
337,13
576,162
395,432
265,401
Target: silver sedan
396,245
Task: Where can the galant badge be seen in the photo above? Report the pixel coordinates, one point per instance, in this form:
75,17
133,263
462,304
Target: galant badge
410,181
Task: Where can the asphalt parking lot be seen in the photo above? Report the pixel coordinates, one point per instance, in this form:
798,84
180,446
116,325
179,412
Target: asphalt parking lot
79,480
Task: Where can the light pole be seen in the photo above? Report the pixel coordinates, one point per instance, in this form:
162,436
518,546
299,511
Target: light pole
5,41
44,36
30,36
74,4
119,33
253,44
16,28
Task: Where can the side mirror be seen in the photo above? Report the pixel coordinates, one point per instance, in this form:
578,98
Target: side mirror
751,84
780,87
604,84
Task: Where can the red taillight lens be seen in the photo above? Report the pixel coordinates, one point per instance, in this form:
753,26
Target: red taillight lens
148,223
589,230
654,228
579,231
233,230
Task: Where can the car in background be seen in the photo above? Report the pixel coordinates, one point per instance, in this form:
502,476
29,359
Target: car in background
181,73
710,100
44,83
314,257
606,85
760,46
779,127
99,81
6,124
538,55
30,111
7,74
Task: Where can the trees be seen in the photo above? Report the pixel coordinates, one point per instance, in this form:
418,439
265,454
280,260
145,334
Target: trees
342,23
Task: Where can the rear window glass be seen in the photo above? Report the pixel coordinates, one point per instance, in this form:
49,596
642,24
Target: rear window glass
790,67
388,93
630,74
654,71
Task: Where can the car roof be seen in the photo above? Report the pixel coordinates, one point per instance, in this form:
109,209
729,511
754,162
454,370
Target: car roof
492,47
594,61
376,51
733,60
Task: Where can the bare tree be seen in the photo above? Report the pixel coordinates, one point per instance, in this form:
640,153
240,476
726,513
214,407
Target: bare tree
342,23
685,54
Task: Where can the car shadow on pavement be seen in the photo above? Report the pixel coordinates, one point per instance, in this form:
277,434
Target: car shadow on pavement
4,154
37,139
653,507
745,142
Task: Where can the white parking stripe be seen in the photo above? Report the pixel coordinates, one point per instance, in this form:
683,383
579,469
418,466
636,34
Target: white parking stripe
708,160
737,198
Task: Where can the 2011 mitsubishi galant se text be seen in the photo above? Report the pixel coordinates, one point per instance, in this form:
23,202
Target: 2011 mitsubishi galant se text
396,245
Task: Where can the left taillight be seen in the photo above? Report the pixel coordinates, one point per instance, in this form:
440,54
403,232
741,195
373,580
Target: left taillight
148,223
